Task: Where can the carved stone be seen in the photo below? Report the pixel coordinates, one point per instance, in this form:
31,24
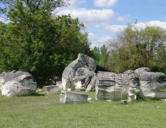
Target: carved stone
152,84
73,97
112,86
79,73
17,83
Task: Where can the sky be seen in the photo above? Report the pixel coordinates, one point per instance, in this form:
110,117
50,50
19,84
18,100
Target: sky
104,19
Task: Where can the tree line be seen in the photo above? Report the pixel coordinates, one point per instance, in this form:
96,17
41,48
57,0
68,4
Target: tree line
135,48
36,42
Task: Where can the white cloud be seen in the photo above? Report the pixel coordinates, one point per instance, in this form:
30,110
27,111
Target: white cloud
115,28
90,17
73,3
3,20
141,25
97,40
155,23
104,3
101,19
122,18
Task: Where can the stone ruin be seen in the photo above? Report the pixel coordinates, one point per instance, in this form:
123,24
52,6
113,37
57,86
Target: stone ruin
51,89
80,74
112,86
73,97
17,83
152,84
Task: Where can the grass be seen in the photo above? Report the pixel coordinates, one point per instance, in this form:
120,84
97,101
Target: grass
46,112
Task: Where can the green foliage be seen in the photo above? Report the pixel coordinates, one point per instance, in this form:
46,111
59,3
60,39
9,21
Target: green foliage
36,42
101,55
96,53
46,6
138,48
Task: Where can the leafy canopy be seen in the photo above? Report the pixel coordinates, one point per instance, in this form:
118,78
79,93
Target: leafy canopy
36,42
138,48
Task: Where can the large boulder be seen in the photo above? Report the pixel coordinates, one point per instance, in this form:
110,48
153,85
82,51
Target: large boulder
152,84
91,86
17,83
79,73
112,86
127,85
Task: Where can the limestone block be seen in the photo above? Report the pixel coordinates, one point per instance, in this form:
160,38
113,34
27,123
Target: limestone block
73,97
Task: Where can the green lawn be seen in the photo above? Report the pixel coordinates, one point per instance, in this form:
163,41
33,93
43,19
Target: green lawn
47,112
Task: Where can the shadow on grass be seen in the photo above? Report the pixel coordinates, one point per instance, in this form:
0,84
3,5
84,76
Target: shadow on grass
33,94
37,94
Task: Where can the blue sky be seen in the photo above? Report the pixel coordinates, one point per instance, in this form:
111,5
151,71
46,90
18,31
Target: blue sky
104,19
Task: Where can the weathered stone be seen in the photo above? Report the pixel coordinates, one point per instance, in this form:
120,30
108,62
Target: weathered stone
78,85
92,84
127,85
2,81
132,93
78,74
111,93
52,89
17,83
59,84
73,97
111,86
152,84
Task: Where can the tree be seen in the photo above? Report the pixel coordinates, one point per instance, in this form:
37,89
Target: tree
33,5
101,55
2,32
96,54
136,48
36,42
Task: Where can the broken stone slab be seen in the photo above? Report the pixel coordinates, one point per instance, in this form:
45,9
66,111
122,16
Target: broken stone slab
52,89
112,86
152,84
73,97
111,93
17,83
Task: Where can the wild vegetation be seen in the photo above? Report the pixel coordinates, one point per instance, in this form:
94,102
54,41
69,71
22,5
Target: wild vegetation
37,42
135,48
101,56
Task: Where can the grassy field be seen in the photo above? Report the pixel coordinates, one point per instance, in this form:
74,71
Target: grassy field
47,112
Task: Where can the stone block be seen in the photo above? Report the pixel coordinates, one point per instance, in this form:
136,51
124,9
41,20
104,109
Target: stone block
52,89
73,97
